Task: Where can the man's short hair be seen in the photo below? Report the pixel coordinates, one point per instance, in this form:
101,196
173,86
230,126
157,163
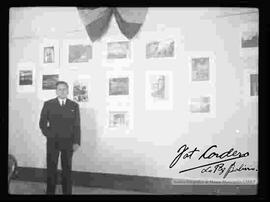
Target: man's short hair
61,82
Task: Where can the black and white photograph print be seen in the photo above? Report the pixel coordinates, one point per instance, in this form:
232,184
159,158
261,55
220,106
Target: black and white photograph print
118,119
254,85
200,69
26,77
80,91
158,90
200,104
249,39
79,53
160,49
119,86
49,81
118,50
49,56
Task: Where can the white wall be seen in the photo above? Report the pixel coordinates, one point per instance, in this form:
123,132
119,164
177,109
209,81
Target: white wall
151,146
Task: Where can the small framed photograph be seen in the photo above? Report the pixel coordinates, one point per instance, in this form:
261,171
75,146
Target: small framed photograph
117,52
26,77
80,89
202,67
120,85
163,45
49,81
119,118
47,84
160,49
202,106
249,39
158,91
77,52
49,53
251,85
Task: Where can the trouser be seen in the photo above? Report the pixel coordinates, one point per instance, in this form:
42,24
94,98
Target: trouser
53,149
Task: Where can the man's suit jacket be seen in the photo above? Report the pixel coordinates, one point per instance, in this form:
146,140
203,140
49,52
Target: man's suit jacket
61,122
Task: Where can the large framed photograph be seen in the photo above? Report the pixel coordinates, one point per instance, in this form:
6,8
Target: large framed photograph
77,52
80,89
25,77
202,67
158,90
249,39
117,52
49,53
120,85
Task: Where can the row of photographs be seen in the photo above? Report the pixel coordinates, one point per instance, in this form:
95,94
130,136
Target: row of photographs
81,51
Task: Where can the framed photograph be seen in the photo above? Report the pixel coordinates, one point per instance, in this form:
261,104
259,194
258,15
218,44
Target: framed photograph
202,67
163,45
117,52
49,53
160,49
49,81
249,39
251,85
120,85
119,118
158,91
77,52
80,89
202,106
26,77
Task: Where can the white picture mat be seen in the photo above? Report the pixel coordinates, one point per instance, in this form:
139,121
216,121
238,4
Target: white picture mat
65,54
47,43
163,104
117,109
119,74
212,66
163,35
47,94
85,79
201,116
28,66
124,62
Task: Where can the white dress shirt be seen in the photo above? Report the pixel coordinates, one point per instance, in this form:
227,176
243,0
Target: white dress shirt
61,101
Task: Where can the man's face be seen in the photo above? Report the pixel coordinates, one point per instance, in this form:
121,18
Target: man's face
62,91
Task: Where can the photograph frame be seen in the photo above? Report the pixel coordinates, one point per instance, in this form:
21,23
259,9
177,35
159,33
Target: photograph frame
247,86
161,35
26,66
120,74
49,43
66,52
245,30
200,116
150,104
84,79
117,62
212,67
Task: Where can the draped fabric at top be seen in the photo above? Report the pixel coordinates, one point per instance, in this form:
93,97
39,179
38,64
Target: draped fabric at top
97,20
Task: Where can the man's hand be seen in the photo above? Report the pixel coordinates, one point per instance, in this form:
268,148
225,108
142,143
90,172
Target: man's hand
75,147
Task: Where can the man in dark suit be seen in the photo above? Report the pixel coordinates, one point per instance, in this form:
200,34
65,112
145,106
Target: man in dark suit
60,123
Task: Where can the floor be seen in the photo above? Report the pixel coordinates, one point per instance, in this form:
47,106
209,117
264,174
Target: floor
38,188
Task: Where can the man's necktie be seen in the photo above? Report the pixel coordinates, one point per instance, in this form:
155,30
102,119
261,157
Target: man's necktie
62,103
